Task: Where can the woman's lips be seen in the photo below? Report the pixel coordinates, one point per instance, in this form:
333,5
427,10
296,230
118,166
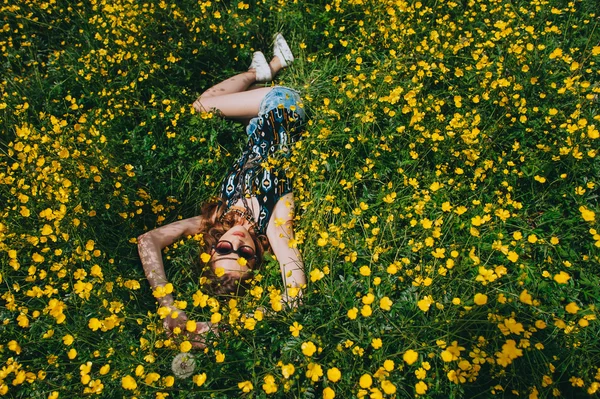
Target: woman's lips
239,234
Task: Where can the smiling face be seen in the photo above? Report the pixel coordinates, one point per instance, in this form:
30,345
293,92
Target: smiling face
238,236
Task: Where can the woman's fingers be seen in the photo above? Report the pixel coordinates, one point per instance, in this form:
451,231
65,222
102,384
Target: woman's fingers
202,327
198,106
170,323
198,341
197,337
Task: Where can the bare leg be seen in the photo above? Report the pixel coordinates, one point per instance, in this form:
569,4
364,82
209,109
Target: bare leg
232,98
234,84
241,105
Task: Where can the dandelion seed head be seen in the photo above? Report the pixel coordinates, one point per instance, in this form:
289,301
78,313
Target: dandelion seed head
183,365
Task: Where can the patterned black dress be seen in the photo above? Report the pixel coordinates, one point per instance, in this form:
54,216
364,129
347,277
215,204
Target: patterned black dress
271,134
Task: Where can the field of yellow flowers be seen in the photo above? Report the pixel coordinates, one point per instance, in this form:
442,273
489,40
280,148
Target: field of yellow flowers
447,188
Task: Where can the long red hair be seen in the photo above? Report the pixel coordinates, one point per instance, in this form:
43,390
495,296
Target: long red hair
215,222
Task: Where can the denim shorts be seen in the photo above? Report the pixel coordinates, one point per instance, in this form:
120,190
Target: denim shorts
278,97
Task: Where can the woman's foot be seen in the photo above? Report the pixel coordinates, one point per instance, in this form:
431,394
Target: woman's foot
261,67
282,51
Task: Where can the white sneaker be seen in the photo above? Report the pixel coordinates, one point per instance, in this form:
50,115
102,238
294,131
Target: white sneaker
261,66
282,51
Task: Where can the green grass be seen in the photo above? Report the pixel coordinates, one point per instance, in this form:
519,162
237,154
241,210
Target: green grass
450,165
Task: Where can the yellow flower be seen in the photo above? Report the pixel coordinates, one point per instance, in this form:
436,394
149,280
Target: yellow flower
23,321
219,357
68,339
205,257
219,272
328,393
525,297
368,299
352,313
410,356
322,241
199,379
517,235
420,388
376,343
388,365
365,381
245,386
557,53
185,346
169,381
509,352
388,387
452,352
316,275
14,346
425,303
587,214
334,374
314,372
572,308
439,253
480,299
151,378
190,326
540,324
295,329
375,394
562,277
512,256
162,291
139,370
308,348
287,370
510,325
366,311
385,303
269,386
128,382
447,356
249,323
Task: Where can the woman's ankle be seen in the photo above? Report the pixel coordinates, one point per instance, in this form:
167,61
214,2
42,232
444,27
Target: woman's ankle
275,65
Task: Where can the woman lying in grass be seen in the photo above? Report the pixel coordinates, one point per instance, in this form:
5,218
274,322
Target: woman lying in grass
255,210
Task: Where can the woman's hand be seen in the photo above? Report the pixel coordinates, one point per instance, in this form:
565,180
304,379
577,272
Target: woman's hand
197,337
150,245
170,323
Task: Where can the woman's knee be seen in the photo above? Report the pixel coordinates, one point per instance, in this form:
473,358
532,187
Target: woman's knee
205,103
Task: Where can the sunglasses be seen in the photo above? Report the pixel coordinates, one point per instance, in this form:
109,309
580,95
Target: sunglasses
224,247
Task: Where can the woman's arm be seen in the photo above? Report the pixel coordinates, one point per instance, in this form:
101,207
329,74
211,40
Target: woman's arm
150,245
280,233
